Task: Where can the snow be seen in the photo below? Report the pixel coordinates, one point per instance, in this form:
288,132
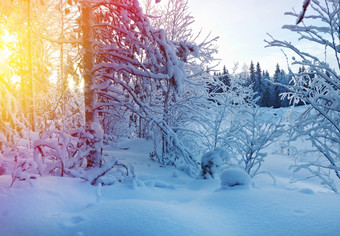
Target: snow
235,177
165,201
212,161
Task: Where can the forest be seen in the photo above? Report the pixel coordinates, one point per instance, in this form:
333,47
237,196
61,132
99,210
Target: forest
79,78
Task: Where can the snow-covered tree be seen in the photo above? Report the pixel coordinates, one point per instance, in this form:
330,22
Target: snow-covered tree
320,123
132,62
43,62
173,16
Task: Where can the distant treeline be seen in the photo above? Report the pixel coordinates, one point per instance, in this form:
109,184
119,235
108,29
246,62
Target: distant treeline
267,88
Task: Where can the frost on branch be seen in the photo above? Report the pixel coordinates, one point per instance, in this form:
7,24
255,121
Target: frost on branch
58,153
137,68
25,170
255,132
110,173
12,122
67,154
318,87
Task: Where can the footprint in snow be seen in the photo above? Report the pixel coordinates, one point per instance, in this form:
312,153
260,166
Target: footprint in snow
307,191
158,184
53,193
74,221
89,205
299,212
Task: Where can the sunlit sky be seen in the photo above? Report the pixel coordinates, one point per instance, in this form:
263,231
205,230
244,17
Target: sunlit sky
242,26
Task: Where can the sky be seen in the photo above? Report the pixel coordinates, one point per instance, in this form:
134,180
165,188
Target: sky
242,26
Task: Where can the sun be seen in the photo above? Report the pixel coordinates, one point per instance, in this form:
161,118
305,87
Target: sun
7,43
8,38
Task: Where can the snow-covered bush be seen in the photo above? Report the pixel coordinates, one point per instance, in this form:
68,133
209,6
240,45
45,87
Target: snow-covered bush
60,153
111,172
235,177
25,170
69,154
212,162
233,120
52,152
12,122
213,123
14,134
253,132
209,118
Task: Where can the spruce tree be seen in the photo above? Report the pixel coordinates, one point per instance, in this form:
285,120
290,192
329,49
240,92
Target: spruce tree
275,95
284,80
225,77
252,72
266,98
258,87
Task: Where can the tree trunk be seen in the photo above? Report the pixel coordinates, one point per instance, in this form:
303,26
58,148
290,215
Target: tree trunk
95,143
29,104
87,63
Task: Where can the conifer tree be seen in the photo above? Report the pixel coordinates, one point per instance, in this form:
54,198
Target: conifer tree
275,92
267,87
258,86
252,73
225,77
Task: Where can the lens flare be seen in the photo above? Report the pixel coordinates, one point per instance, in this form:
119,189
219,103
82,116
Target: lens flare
7,41
7,38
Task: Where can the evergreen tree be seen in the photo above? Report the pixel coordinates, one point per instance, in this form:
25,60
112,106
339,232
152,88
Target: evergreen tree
267,86
225,77
252,78
276,103
284,81
225,71
258,87
252,73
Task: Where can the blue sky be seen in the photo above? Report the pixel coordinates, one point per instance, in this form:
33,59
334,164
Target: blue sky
242,26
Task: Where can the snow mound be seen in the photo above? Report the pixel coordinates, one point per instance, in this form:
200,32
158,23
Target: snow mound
235,177
212,161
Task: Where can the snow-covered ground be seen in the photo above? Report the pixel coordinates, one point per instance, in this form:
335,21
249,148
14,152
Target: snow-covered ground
165,201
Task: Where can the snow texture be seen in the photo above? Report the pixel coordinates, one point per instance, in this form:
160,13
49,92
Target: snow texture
159,204
235,177
212,161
